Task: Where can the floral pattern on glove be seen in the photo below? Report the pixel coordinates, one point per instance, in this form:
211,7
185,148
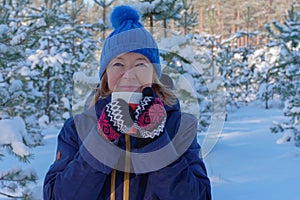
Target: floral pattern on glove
150,117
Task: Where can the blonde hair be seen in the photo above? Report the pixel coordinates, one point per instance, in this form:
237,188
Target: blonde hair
163,92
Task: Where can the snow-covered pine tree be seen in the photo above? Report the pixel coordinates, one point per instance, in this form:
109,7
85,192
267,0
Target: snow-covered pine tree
40,50
64,46
17,97
262,61
160,10
237,75
285,39
182,64
189,17
287,70
104,4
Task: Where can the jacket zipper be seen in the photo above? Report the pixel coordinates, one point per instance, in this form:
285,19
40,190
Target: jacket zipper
127,169
126,182
113,185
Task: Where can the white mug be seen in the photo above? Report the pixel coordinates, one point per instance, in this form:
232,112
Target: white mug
129,97
132,98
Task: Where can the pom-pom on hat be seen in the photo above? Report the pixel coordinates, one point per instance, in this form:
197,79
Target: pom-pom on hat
129,35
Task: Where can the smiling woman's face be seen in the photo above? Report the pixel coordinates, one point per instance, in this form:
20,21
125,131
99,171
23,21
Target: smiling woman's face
129,72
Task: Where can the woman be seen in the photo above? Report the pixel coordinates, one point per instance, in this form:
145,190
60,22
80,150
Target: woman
117,150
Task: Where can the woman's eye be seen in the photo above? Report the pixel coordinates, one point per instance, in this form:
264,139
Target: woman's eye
141,65
118,65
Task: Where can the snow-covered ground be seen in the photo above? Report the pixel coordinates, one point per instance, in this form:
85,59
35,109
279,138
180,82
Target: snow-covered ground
246,163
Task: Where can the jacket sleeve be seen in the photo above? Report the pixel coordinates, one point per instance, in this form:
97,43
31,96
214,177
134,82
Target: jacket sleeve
71,176
185,178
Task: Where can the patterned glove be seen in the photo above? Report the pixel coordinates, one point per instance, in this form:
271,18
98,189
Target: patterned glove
150,115
115,119
118,117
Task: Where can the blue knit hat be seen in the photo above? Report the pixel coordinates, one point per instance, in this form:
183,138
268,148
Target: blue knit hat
129,35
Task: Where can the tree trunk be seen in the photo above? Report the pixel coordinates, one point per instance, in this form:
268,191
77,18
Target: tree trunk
247,39
37,3
151,22
185,24
165,27
269,10
200,20
219,17
66,7
233,19
47,73
104,21
238,28
258,37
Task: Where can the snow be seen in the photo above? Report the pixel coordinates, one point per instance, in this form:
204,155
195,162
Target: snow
66,115
15,86
12,133
81,77
66,102
3,29
171,43
186,82
286,137
18,38
20,174
295,110
40,23
43,121
248,161
25,71
43,158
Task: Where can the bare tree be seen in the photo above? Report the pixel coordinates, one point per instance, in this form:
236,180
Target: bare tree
226,17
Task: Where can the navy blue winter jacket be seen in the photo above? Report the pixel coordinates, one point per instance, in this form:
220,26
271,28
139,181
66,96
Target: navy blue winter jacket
79,171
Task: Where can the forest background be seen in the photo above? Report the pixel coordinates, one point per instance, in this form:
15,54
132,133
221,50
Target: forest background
49,58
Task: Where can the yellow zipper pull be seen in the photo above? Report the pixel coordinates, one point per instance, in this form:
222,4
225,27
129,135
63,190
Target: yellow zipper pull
127,169
113,185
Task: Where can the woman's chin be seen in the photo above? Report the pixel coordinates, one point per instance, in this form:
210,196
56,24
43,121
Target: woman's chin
128,89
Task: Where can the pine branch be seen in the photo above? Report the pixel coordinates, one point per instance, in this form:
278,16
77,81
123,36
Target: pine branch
22,158
19,176
17,180
10,196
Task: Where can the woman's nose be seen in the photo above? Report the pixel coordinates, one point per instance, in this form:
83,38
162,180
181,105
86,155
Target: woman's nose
130,73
